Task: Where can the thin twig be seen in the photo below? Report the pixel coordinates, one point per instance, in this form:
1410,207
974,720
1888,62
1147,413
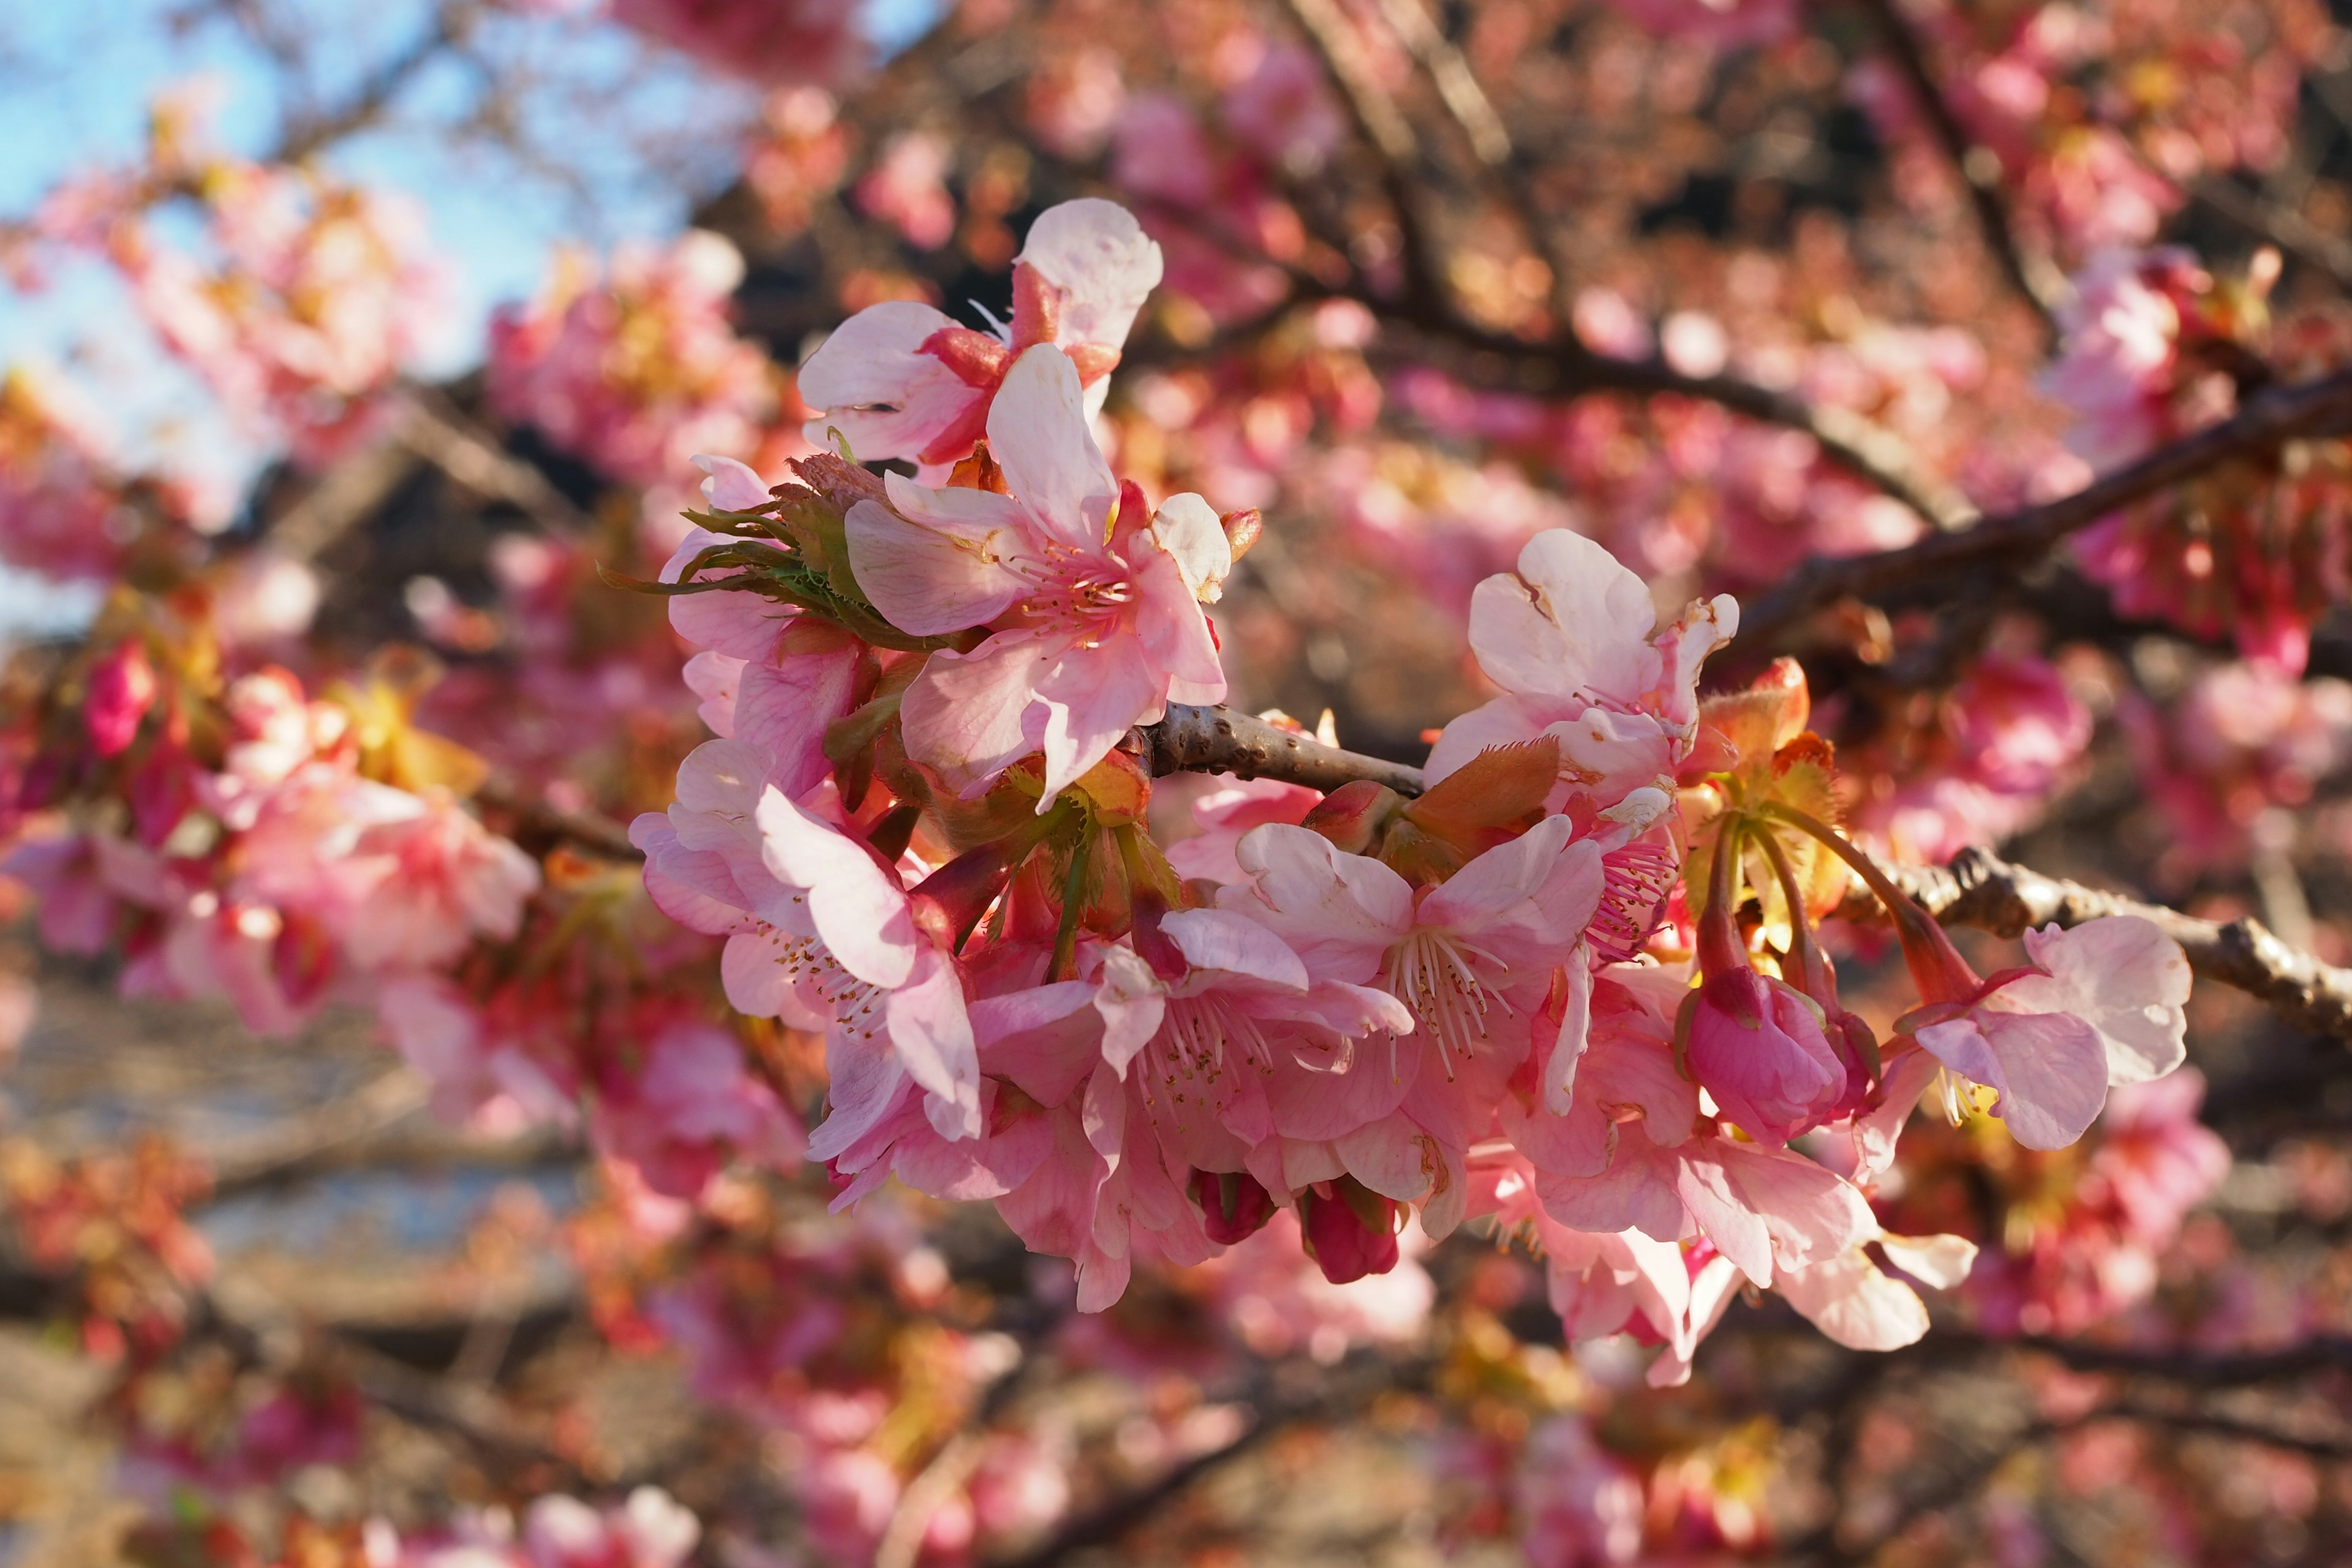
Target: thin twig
1980,889
2034,278
436,430
2014,540
1220,740
1456,83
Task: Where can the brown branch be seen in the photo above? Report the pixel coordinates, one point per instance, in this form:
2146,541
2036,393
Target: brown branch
2036,278
436,430
2198,1369
1981,890
2015,540
1563,368
1450,73
1220,740
453,23
1105,1524
539,826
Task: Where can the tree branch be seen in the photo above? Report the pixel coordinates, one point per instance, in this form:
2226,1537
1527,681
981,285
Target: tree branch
1220,740
2013,539
1563,367
1981,890
2033,277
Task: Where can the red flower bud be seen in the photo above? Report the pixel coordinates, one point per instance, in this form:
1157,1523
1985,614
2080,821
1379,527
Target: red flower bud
121,688
1350,1233
1234,1207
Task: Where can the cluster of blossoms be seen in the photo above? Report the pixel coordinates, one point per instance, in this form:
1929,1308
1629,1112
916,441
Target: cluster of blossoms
924,831
275,850
638,368
2156,347
647,1530
2097,117
63,512
775,41
2235,763
1245,1055
307,301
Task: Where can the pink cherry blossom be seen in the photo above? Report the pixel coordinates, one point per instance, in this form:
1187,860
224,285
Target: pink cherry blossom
2104,1005
687,1107
817,931
637,368
1571,639
1094,608
62,509
902,379
765,41
1757,1045
321,295
121,689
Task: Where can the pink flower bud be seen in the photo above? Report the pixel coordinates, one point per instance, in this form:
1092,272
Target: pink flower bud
121,689
1234,1207
1758,1047
1346,1243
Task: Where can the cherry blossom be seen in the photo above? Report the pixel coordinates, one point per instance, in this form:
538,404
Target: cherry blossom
903,379
1093,607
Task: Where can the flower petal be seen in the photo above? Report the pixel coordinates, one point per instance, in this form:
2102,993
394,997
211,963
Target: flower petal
858,909
925,579
1105,264
1037,433
1571,622
2122,975
2050,1068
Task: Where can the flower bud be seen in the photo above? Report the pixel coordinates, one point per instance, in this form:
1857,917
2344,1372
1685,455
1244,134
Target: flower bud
121,688
1355,815
1758,1047
1351,1233
1234,1207
1242,528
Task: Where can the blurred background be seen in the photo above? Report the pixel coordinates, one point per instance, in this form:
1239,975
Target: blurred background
363,336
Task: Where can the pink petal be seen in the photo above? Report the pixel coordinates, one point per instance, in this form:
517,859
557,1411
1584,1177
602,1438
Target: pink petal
1637,1192
1133,1002
1569,623
1092,697
713,677
1528,901
858,909
1810,1212
925,580
1045,1039
781,711
1037,433
1505,722
1338,1105
886,399
864,1082
2122,975
2051,1069
1340,913
1230,944
732,486
1102,262
967,714
1175,633
933,1035
1850,1300
1189,530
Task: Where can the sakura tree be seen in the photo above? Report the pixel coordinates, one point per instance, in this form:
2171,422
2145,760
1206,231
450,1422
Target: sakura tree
1247,780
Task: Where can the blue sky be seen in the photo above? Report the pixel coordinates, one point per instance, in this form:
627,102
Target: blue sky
75,80
75,83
